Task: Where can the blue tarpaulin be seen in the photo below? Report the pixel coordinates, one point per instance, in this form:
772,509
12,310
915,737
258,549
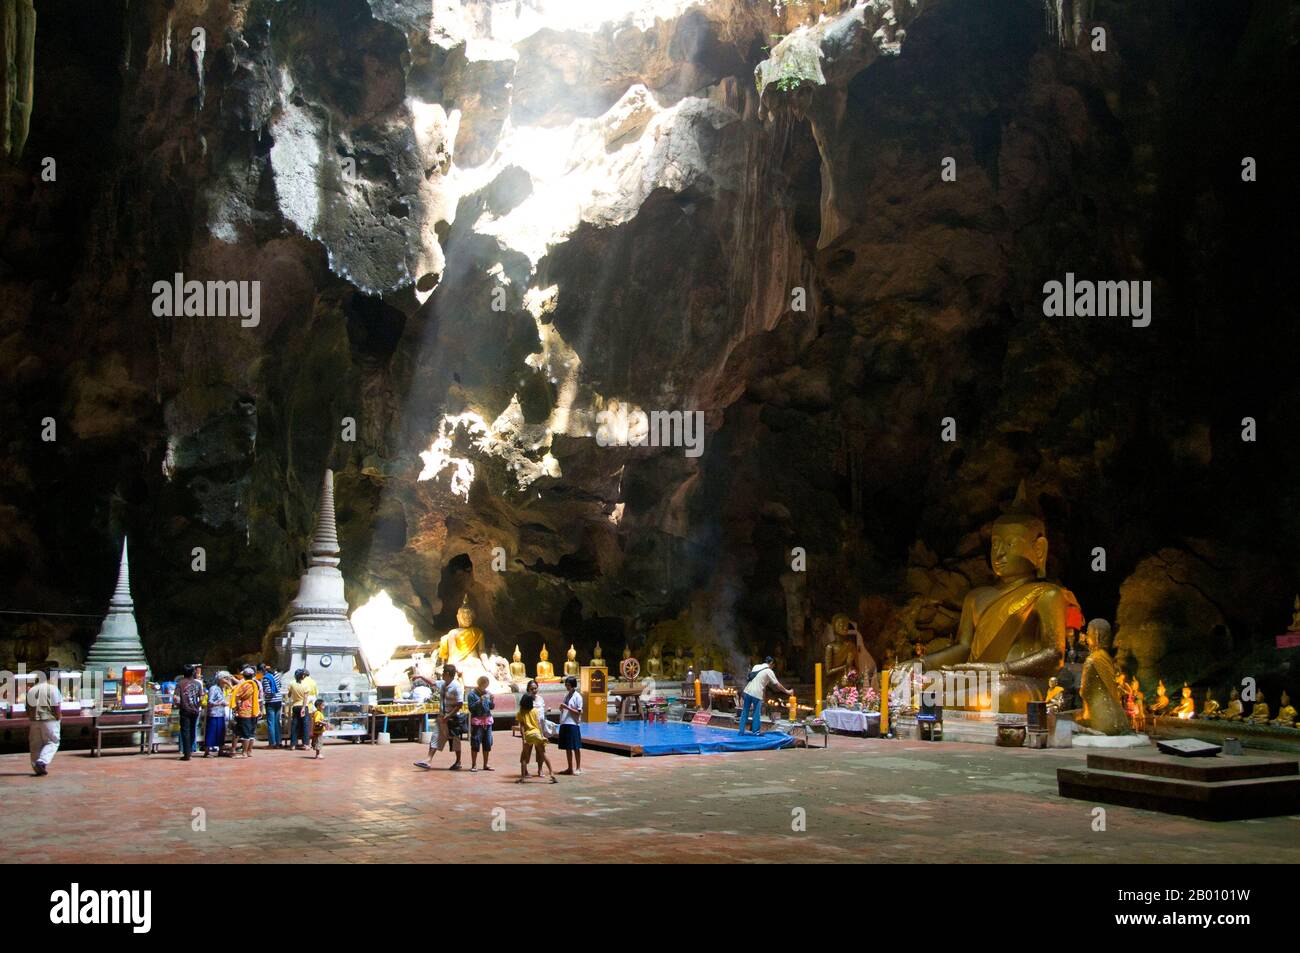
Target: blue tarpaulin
673,737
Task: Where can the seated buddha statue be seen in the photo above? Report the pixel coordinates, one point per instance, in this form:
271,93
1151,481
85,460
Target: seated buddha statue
596,659
1054,693
518,671
1103,710
1210,710
1015,628
1259,714
463,643
846,653
1286,714
545,670
1233,711
571,663
679,664
1186,707
654,666
1161,703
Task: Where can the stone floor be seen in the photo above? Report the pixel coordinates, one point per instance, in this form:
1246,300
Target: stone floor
864,801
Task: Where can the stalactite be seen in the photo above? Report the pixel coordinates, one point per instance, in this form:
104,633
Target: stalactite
1066,19
18,37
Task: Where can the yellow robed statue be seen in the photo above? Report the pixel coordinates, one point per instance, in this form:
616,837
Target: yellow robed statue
1015,628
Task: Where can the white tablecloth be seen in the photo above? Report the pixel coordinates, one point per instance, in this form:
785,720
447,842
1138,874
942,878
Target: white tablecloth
845,719
711,678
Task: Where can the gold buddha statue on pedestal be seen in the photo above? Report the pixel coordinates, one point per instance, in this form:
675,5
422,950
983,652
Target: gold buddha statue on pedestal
1015,628
518,672
1162,699
545,670
679,664
596,659
1286,714
571,662
1233,711
1186,707
1210,710
654,666
1259,713
1103,709
463,643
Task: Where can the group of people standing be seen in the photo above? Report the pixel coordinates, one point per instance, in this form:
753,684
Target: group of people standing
449,726
234,704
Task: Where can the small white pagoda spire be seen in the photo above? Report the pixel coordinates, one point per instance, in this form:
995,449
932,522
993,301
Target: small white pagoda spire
118,643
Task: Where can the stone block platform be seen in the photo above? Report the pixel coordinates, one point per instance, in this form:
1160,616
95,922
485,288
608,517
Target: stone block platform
1210,789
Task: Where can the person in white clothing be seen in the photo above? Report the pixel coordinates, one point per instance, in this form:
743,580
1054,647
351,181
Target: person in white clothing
45,714
570,722
761,678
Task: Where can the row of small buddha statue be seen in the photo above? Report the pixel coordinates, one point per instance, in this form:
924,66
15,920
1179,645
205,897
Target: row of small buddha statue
657,667
1185,706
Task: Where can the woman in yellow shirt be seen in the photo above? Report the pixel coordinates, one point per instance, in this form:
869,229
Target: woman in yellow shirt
534,740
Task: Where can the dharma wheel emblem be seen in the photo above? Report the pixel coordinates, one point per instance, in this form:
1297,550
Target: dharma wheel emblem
629,668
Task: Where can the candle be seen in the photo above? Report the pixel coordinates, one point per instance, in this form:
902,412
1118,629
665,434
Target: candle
698,702
884,702
817,697
794,707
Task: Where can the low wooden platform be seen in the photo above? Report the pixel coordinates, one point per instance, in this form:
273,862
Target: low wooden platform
1222,788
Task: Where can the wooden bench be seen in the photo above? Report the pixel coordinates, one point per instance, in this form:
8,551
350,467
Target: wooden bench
142,723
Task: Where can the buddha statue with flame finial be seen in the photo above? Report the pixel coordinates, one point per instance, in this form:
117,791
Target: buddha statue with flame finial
1286,714
1161,703
1233,711
518,671
596,659
1016,627
1103,709
679,664
1259,713
463,643
545,670
1210,710
571,663
1186,707
654,666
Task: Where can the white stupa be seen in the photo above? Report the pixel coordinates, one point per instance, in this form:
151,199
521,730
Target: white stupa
118,643
319,637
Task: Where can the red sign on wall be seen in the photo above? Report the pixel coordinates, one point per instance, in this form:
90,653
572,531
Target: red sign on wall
1289,641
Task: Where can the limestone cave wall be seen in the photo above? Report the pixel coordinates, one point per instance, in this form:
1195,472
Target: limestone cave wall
492,221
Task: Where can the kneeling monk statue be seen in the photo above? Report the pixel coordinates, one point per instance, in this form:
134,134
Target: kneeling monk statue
1015,628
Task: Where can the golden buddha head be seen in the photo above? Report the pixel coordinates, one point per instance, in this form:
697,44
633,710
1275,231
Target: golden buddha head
1019,545
465,615
572,653
1187,691
518,656
840,623
545,654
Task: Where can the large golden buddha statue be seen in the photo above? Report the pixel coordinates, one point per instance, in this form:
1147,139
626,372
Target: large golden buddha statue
1103,710
464,642
571,663
1015,628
